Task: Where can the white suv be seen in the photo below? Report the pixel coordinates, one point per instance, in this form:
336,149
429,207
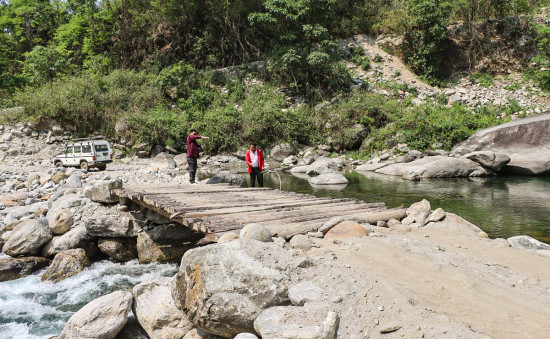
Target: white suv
86,153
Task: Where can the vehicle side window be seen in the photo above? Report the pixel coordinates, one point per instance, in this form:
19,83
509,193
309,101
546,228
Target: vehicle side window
77,149
69,150
86,149
101,148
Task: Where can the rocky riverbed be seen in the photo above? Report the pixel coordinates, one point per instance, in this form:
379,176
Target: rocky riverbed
429,274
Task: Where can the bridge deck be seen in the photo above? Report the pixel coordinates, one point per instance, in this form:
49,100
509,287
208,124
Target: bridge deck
222,208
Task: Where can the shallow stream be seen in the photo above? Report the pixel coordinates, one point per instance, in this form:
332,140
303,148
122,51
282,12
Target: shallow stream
501,206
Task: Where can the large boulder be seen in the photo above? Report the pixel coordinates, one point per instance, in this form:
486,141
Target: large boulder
224,287
103,191
280,152
418,213
526,141
346,229
329,179
164,161
76,237
489,159
164,243
15,268
118,249
27,237
291,322
436,167
322,165
227,177
111,226
255,231
66,264
525,241
103,317
156,312
60,221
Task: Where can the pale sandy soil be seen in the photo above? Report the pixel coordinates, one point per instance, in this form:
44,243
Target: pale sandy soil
442,280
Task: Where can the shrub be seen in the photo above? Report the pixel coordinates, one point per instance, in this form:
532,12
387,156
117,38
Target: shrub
483,79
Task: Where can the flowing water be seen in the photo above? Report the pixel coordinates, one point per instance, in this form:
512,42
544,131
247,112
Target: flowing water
501,206
30,308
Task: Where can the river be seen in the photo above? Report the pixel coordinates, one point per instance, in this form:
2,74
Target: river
501,206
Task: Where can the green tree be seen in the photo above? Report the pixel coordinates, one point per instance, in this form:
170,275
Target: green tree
425,36
303,53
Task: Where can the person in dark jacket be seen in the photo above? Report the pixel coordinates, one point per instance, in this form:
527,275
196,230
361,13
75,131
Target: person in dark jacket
193,153
254,158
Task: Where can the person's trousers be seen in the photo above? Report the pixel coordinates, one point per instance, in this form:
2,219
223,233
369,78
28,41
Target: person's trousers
192,162
256,173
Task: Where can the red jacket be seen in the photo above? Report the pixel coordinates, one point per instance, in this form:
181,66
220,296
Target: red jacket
193,146
260,160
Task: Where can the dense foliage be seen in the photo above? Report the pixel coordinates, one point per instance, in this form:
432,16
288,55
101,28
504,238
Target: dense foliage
148,70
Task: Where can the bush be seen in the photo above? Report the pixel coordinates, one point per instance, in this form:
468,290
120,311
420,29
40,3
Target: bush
90,104
483,79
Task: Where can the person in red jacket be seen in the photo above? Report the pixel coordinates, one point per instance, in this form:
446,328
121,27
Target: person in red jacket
193,153
255,161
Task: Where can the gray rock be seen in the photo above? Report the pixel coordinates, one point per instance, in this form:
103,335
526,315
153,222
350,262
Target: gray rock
156,312
304,292
164,243
245,336
111,226
15,268
299,169
103,317
417,213
228,237
224,287
291,322
28,237
164,161
436,167
280,152
290,160
329,179
74,181
227,177
436,216
322,165
74,238
526,141
488,159
60,221
525,241
119,249
255,231
371,167
103,191
181,160
300,241
330,224
66,264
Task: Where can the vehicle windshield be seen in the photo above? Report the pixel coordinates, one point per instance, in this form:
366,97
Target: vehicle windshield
101,148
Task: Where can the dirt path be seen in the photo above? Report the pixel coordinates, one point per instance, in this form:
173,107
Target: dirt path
496,290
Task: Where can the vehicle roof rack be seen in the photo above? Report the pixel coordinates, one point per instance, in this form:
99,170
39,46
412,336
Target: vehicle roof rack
95,137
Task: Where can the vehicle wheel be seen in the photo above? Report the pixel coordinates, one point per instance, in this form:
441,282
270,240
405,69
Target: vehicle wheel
102,167
84,165
58,164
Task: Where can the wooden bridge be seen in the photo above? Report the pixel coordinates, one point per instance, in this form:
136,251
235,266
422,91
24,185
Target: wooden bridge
221,208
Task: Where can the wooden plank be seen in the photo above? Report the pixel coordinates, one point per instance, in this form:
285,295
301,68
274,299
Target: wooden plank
205,213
